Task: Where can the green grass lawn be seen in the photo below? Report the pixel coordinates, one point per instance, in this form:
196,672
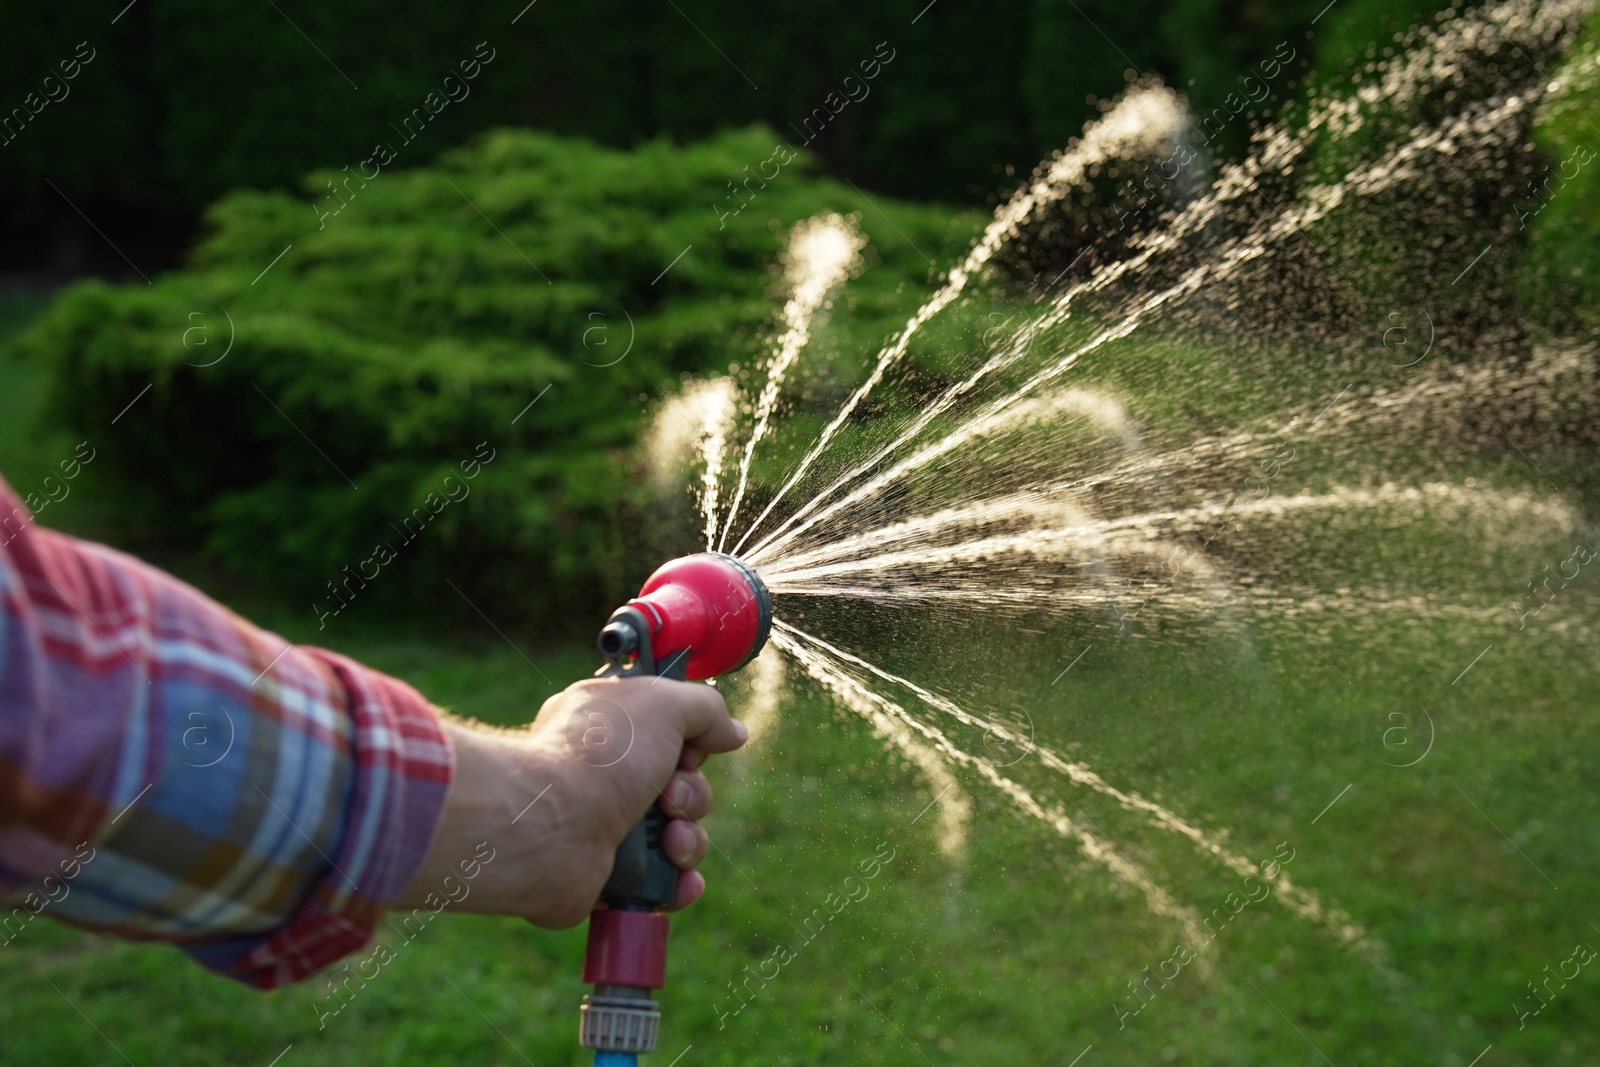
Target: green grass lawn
1019,950
1475,869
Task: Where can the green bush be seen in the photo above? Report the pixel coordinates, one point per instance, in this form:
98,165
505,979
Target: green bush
1447,240
398,339
1560,207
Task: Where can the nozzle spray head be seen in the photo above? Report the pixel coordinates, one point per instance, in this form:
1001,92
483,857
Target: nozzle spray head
697,616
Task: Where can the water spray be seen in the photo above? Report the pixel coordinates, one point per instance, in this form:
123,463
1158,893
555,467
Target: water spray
696,617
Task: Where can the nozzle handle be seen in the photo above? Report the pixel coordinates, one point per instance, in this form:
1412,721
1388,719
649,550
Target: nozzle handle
642,877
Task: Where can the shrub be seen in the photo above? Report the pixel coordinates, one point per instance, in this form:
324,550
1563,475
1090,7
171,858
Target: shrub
379,350
1560,205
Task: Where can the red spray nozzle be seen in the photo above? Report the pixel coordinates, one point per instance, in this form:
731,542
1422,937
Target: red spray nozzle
709,607
697,617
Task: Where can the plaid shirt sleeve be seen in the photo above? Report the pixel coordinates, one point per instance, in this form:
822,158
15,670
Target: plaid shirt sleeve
178,774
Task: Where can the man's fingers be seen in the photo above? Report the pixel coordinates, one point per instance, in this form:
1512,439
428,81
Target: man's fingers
691,758
687,796
690,885
684,843
705,719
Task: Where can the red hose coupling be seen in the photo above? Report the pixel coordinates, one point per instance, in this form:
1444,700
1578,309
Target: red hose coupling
627,948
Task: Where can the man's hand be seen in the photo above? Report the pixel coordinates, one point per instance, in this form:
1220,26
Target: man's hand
556,799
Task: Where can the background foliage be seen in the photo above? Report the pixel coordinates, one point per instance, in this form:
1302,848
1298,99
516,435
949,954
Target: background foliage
1560,207
413,327
187,100
407,330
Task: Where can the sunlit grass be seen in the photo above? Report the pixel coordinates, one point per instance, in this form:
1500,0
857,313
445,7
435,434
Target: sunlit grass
1021,950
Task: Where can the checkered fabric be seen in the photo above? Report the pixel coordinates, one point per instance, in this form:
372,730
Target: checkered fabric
177,774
